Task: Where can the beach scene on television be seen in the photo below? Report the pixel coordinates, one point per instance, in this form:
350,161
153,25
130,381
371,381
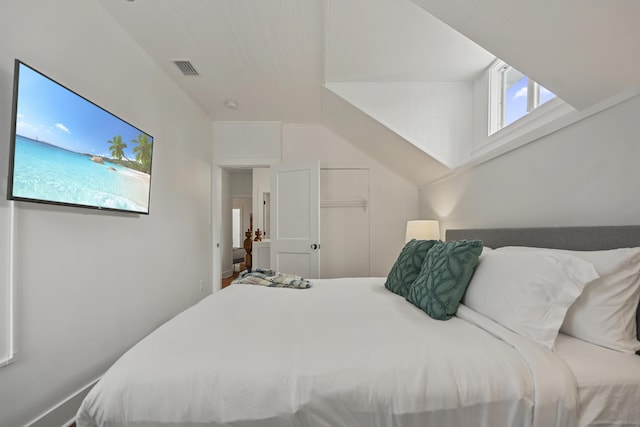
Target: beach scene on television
68,150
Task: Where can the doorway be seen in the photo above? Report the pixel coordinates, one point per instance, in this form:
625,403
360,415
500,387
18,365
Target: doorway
345,218
233,187
238,199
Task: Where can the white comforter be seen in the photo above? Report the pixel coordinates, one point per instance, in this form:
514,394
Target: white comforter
346,352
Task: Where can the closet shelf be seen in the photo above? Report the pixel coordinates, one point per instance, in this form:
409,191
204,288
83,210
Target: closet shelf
354,203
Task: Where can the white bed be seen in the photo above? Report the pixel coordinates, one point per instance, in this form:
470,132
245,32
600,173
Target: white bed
608,382
347,352
341,353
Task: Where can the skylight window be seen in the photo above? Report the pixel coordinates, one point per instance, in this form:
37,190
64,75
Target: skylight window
513,96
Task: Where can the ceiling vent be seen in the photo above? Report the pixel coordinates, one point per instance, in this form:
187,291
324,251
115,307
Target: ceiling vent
186,67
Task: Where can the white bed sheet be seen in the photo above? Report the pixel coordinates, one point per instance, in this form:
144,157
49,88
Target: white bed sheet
343,353
608,383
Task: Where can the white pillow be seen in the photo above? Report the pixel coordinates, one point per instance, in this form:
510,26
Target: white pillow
605,313
529,291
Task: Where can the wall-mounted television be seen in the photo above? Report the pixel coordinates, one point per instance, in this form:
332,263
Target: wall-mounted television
66,150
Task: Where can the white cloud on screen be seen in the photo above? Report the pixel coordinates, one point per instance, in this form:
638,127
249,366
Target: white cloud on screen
23,126
62,127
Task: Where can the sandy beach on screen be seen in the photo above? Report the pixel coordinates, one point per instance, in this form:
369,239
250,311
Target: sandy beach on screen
140,176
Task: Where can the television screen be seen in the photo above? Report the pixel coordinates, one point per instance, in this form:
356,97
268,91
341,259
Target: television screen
66,150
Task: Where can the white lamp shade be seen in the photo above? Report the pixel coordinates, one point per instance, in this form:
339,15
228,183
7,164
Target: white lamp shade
423,230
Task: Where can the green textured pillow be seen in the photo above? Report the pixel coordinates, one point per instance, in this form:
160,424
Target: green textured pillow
408,265
445,275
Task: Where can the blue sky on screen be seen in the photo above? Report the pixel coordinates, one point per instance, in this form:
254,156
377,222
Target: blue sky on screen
51,113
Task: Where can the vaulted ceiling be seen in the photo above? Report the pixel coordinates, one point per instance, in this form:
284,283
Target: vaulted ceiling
272,57
275,59
267,56
585,51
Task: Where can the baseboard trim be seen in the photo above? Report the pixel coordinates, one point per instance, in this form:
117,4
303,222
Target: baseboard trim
227,273
64,413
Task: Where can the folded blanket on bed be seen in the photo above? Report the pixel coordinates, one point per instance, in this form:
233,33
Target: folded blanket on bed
273,279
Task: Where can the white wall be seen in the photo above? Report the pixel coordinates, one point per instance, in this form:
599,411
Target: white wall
241,183
393,199
345,226
435,117
90,284
584,174
244,143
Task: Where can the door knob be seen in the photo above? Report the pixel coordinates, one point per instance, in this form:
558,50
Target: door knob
315,246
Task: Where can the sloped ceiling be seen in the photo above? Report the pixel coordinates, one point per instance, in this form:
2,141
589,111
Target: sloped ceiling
379,142
406,69
273,58
584,51
267,56
396,41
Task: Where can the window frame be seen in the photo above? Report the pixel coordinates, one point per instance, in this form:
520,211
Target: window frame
497,96
549,117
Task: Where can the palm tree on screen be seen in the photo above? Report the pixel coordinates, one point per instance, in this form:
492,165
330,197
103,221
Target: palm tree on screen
117,148
143,151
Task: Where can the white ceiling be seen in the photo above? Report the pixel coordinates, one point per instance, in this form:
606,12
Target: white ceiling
380,142
396,41
273,57
269,56
585,51
265,55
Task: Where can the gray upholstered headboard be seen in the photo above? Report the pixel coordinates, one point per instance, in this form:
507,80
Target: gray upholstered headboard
572,238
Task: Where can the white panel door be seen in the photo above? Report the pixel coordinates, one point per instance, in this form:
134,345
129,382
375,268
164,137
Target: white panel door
295,218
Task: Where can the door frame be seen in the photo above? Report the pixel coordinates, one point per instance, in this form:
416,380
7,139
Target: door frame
216,209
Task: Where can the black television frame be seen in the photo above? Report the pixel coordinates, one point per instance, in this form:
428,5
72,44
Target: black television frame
12,149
